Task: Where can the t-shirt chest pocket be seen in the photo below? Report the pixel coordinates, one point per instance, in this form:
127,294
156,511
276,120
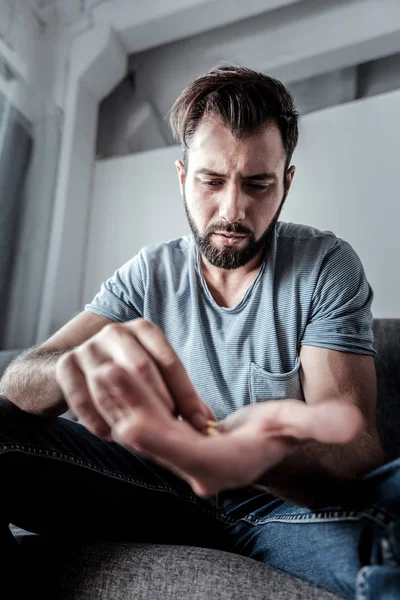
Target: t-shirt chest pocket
275,386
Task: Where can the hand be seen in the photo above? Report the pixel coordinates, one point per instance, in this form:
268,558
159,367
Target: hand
127,369
250,441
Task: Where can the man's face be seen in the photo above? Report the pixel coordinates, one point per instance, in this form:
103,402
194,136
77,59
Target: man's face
233,191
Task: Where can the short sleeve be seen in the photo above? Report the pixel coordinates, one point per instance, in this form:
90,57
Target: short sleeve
340,316
120,298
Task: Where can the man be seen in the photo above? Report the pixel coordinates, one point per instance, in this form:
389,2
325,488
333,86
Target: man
262,326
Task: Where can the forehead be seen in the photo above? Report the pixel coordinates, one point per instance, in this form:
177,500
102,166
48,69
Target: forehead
213,143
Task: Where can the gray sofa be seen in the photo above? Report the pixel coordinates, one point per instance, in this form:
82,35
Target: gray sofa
159,572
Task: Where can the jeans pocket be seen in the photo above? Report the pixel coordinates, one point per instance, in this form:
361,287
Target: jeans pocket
275,386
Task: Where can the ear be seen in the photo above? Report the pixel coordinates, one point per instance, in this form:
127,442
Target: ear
289,178
180,167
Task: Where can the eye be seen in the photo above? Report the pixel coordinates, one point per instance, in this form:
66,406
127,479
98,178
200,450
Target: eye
258,186
211,182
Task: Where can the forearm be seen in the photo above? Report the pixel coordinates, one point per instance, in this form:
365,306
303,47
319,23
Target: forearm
29,382
312,469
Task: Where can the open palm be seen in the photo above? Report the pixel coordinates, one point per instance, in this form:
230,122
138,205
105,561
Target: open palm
250,442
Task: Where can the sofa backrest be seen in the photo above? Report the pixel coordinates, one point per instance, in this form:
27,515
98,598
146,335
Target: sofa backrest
387,363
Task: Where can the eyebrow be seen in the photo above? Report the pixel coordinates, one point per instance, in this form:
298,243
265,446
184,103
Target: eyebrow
255,177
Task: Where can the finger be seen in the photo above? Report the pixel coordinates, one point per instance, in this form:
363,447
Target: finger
97,371
129,353
327,422
114,393
73,386
191,407
152,438
131,395
224,461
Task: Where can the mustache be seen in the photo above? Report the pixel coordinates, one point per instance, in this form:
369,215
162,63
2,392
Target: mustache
229,228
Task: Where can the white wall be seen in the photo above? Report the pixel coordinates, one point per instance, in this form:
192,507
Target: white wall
347,162
136,201
346,182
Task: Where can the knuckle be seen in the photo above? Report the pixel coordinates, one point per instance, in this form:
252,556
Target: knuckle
142,325
133,435
110,329
64,362
168,361
98,376
112,372
79,402
89,347
141,368
107,374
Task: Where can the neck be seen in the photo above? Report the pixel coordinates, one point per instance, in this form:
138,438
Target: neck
229,286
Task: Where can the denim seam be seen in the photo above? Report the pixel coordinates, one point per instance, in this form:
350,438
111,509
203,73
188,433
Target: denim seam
300,520
378,517
70,458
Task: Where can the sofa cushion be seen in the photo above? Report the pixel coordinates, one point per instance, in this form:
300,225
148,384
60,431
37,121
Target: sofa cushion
129,571
156,572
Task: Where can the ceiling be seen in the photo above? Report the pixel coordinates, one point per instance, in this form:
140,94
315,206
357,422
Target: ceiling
62,12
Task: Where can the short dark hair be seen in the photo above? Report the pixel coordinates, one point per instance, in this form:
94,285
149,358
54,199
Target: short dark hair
243,99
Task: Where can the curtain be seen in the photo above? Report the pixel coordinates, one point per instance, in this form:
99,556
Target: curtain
16,145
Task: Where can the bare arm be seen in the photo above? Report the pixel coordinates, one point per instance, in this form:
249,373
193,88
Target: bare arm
29,381
330,375
30,384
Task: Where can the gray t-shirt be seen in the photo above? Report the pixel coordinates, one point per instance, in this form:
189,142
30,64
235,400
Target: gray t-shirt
311,289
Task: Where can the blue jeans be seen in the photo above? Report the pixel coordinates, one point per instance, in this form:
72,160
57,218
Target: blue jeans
61,480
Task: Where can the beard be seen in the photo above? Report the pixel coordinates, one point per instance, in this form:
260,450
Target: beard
229,257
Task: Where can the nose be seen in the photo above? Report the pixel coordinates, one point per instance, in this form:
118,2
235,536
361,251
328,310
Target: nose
232,204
